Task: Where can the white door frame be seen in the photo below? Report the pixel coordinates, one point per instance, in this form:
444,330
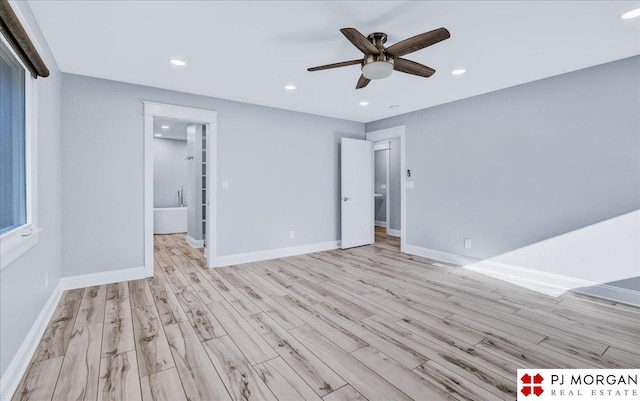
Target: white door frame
390,133
209,118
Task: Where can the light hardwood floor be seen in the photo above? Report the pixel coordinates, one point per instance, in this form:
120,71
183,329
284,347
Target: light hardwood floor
365,323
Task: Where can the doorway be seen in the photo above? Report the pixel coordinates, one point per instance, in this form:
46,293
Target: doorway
389,186
381,189
198,172
180,180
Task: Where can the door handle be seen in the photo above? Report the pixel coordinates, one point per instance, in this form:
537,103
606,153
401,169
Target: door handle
346,199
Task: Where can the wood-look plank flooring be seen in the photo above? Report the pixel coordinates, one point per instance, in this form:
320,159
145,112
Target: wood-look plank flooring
368,323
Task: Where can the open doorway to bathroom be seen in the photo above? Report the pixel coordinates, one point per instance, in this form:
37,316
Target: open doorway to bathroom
180,180
387,193
390,182
180,183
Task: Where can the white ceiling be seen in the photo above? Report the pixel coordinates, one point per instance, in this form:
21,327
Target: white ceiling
175,129
248,51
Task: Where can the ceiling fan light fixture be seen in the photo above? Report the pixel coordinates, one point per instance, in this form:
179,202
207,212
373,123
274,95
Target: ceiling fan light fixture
377,69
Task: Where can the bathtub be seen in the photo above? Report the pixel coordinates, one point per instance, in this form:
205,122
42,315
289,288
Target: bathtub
169,220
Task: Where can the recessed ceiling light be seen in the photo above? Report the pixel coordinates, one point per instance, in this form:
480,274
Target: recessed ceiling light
290,87
157,135
364,103
164,126
177,62
394,106
458,72
631,14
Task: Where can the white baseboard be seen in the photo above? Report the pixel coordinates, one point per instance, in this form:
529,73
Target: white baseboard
549,283
18,366
195,243
394,233
622,295
380,223
554,284
439,255
240,258
108,277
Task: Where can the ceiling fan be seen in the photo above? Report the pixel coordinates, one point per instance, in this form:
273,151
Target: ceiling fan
379,62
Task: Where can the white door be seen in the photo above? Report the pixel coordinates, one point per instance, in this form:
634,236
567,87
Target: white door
357,192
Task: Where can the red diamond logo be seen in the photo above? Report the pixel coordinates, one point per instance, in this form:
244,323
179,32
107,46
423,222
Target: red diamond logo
532,384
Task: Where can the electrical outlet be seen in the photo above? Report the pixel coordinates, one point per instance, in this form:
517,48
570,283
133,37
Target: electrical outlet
467,243
46,280
225,184
292,234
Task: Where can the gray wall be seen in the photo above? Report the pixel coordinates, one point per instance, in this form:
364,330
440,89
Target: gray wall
22,290
282,169
632,283
169,171
519,165
380,166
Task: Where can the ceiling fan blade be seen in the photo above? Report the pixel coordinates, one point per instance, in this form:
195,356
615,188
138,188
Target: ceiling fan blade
359,41
418,42
335,65
411,67
362,82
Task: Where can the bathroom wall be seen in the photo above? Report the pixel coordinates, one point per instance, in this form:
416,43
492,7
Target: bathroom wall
380,165
169,171
395,175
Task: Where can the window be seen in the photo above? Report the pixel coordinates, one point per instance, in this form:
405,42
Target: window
18,232
13,194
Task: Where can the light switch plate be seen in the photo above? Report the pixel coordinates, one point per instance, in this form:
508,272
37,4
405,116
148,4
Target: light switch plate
409,184
383,186
225,184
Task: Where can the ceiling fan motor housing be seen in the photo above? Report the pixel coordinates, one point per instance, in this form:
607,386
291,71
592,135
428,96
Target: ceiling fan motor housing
377,66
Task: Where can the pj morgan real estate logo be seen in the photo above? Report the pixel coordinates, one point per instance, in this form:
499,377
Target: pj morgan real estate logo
578,384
